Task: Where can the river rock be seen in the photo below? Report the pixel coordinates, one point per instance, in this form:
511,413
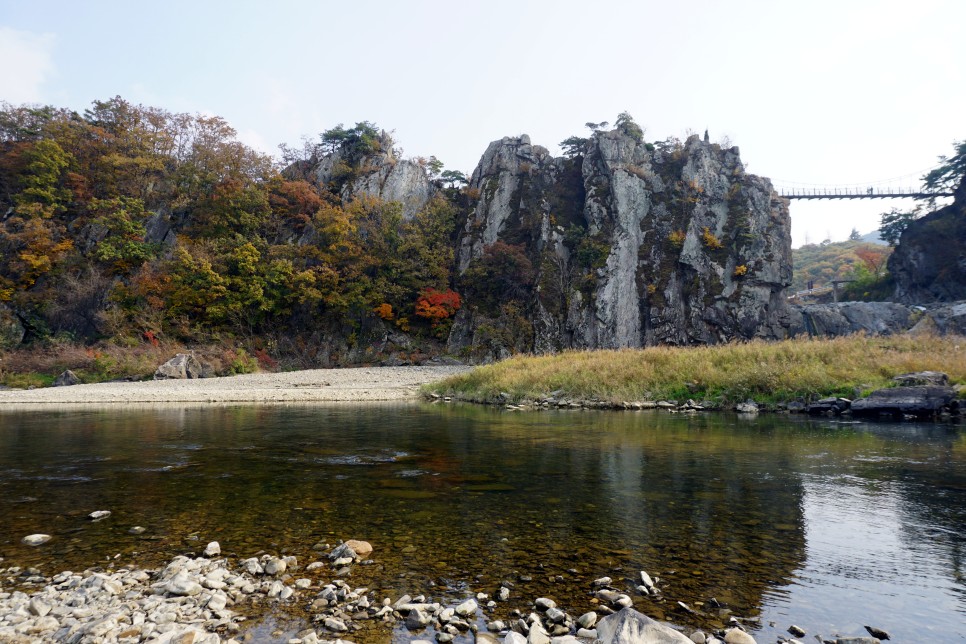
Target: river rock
417,619
467,608
538,634
797,631
66,379
826,406
587,620
877,632
274,566
36,539
213,549
646,579
747,407
544,603
738,636
97,515
335,625
628,626
857,640
362,549
182,584
38,607
922,402
181,367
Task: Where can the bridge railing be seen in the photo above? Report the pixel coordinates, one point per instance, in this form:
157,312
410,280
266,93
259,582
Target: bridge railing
854,192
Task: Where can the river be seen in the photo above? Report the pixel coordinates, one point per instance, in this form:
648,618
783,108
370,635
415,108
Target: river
826,524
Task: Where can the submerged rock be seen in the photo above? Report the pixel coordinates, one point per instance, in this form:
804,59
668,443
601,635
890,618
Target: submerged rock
36,539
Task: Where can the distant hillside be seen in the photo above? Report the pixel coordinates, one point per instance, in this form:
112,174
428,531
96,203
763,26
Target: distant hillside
873,238
822,263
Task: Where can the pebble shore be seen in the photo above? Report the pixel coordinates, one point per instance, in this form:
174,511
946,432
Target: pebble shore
360,384
211,599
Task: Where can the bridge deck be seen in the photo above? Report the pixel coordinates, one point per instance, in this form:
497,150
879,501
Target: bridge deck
859,193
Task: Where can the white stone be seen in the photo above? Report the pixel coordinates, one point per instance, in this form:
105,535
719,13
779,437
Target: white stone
36,539
467,608
213,549
738,636
182,584
275,566
628,626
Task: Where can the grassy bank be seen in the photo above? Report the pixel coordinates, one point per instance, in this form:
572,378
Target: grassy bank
764,371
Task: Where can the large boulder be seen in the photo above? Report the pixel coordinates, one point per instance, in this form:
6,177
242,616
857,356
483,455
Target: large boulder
11,330
922,402
66,379
628,626
181,367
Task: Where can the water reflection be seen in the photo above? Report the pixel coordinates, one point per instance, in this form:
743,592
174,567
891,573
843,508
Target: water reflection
817,522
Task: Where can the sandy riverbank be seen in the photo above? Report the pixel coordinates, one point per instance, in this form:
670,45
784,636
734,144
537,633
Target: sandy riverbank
315,385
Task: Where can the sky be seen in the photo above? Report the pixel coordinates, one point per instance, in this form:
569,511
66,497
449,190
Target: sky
818,93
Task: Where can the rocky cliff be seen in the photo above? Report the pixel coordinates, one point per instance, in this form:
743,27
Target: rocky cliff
929,264
626,244
381,175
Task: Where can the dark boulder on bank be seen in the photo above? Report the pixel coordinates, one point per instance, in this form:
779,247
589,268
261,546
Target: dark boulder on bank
829,406
898,402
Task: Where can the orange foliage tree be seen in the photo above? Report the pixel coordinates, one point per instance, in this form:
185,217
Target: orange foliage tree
436,305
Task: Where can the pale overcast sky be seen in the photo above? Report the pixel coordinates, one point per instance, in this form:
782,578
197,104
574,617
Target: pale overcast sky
819,92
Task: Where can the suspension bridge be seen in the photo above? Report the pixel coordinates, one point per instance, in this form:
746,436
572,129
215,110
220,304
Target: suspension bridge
870,192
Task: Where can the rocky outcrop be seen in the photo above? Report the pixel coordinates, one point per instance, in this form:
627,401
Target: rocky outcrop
846,318
380,175
629,244
898,402
929,264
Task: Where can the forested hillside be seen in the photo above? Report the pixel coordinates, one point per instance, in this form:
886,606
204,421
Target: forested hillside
822,263
139,225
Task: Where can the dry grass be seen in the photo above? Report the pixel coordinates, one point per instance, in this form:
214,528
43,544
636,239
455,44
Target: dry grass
764,371
38,364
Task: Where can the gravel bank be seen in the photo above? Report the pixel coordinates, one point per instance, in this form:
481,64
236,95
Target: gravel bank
315,385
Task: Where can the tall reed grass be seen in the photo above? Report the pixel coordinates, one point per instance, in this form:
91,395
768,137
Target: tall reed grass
764,371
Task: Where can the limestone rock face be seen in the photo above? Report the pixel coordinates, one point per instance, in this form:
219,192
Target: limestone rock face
929,264
629,245
382,176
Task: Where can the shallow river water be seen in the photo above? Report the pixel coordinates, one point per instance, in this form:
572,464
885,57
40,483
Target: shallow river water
828,525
